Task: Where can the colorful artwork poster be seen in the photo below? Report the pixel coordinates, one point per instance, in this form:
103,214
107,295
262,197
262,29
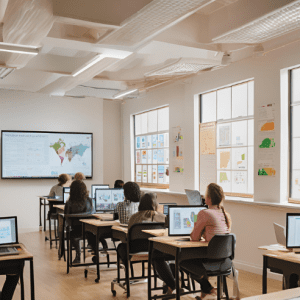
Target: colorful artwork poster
138,142
144,156
138,156
154,140
266,166
161,138
150,174
154,174
266,172
266,125
267,143
177,134
143,142
160,156
154,156
149,156
139,173
224,158
145,174
149,141
224,180
161,174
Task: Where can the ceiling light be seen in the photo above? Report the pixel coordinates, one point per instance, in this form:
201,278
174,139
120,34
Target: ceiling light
4,72
226,60
89,64
4,47
274,24
124,93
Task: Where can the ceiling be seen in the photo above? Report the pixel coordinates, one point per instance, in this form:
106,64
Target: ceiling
99,48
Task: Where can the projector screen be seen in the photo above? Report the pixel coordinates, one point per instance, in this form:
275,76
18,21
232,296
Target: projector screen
41,154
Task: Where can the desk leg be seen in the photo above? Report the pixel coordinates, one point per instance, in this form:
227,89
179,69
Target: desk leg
32,280
177,273
149,268
40,212
97,256
83,235
264,277
22,284
44,214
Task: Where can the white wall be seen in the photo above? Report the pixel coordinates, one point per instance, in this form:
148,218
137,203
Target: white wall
252,223
37,112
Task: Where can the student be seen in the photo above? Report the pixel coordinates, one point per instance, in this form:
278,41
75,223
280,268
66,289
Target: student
64,180
79,176
211,221
12,270
79,202
147,213
118,184
124,210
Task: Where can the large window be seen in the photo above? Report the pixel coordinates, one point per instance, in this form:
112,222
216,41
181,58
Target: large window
151,136
295,135
232,110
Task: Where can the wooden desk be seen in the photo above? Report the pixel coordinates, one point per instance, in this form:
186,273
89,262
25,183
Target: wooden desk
60,208
104,217
282,295
99,229
157,232
23,255
43,202
181,250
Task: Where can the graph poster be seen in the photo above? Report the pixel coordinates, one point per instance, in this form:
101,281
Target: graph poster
208,138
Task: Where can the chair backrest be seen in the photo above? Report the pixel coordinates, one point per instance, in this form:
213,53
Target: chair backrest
137,240
221,246
73,219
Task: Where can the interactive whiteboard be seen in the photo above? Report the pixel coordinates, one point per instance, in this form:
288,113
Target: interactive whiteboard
41,154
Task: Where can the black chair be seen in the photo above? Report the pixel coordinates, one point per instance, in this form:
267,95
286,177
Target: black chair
220,253
137,244
53,216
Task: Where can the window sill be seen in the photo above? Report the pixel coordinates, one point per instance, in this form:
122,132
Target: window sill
163,191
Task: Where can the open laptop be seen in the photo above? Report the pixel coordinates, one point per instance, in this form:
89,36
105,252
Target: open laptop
107,199
280,234
97,186
164,207
66,194
8,236
182,219
194,197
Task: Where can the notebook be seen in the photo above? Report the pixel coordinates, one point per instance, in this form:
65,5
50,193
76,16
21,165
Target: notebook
8,236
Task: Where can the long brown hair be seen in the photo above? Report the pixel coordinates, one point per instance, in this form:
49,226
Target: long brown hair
78,192
148,202
216,194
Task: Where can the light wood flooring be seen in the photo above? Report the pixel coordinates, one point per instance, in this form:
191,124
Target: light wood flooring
52,282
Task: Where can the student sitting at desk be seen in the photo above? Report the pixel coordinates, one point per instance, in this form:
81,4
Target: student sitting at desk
118,184
79,202
147,213
64,180
124,210
211,221
79,176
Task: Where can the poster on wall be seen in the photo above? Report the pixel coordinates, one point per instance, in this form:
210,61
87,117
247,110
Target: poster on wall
138,156
145,176
161,174
177,158
138,173
144,156
154,173
208,138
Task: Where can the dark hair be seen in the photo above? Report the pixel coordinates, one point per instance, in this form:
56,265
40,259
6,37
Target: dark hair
118,184
78,192
148,202
63,178
132,191
216,194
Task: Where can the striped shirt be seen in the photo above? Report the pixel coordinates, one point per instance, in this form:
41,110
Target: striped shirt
209,222
125,210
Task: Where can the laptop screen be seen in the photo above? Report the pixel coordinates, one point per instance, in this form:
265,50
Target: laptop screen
293,230
66,194
164,207
107,199
98,186
183,218
8,231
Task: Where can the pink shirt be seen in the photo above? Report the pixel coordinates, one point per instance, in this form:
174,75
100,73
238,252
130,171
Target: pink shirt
209,222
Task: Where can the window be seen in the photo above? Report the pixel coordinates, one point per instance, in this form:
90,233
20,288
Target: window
232,110
295,135
151,136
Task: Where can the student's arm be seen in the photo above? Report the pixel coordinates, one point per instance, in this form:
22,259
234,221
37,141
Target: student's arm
199,226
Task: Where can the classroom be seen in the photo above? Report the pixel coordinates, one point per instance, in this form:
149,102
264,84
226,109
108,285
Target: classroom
104,67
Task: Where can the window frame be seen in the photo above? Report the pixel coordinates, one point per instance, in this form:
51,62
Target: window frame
230,121
143,184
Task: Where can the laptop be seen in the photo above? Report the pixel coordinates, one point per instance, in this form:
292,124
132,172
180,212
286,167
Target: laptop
280,234
8,236
182,219
194,197
164,207
66,194
97,186
107,199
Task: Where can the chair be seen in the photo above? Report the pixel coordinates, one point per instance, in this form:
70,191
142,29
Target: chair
52,215
137,245
220,253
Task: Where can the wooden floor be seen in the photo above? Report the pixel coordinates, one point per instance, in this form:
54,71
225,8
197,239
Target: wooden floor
52,282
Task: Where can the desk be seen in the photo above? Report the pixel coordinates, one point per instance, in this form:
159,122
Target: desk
157,232
99,229
42,200
104,217
60,208
286,263
282,295
24,255
180,250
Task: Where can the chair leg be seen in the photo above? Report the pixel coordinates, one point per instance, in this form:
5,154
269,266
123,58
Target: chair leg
193,284
22,285
50,237
118,266
143,269
127,278
131,269
55,233
68,251
108,262
219,288
225,287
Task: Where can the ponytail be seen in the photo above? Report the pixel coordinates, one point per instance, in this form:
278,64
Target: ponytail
227,217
